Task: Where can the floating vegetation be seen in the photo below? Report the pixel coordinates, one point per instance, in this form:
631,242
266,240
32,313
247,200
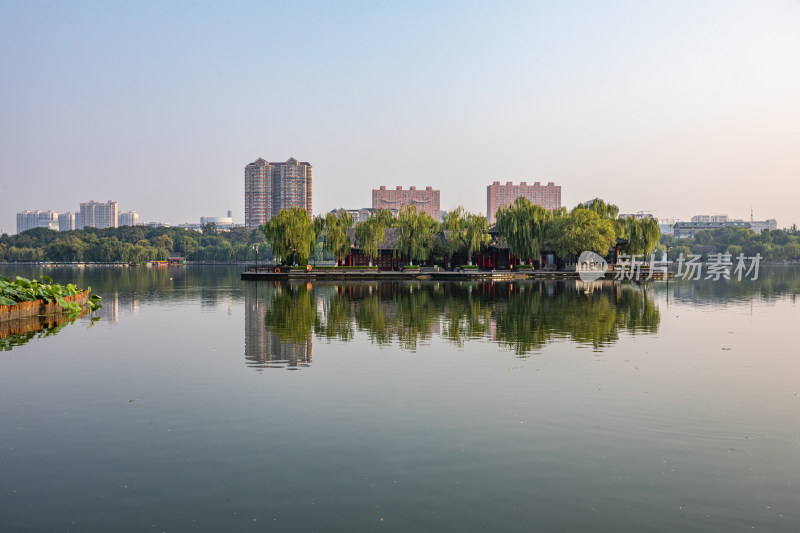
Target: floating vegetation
30,290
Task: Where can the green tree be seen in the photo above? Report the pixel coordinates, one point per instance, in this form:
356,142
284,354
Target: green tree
734,250
370,234
185,245
291,233
385,217
791,250
642,235
604,210
675,252
163,241
583,230
451,226
66,250
524,226
337,240
417,229
465,231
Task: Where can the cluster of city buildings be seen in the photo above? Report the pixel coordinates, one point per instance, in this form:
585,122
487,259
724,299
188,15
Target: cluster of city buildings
91,215
270,187
104,215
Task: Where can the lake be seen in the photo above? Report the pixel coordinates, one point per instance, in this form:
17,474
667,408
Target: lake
200,402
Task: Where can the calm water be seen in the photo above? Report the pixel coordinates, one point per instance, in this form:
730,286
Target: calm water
198,402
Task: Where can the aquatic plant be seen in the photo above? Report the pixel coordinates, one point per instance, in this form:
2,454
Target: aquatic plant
28,290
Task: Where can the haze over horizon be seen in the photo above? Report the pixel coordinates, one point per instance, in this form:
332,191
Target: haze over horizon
674,108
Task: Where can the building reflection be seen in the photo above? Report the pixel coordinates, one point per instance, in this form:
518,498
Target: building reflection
116,305
273,336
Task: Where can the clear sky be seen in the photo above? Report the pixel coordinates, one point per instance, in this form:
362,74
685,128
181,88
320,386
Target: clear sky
676,108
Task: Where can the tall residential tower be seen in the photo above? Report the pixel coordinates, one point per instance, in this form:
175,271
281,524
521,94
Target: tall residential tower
98,215
270,187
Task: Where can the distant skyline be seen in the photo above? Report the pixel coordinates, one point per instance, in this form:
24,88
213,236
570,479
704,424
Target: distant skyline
675,108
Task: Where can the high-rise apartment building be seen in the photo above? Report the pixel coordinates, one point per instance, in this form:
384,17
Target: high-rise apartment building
270,187
37,219
497,196
98,215
426,200
128,218
27,220
67,221
48,219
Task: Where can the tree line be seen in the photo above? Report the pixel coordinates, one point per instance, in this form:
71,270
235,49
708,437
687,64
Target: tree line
293,237
524,228
132,244
776,245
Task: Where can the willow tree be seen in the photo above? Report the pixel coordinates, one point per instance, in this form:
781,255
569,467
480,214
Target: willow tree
581,231
384,217
609,211
464,230
650,234
417,229
370,234
451,226
642,235
476,234
291,233
524,226
337,241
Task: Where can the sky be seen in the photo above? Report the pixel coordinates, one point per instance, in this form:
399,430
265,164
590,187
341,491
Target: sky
675,108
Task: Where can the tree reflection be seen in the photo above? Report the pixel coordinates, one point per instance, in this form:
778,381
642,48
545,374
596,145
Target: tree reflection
293,313
465,316
407,313
521,316
279,326
336,321
591,314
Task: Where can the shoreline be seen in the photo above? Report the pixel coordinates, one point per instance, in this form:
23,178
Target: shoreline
374,275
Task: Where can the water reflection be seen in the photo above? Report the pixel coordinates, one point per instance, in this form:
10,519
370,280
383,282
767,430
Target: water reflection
282,319
773,283
20,331
279,325
591,314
